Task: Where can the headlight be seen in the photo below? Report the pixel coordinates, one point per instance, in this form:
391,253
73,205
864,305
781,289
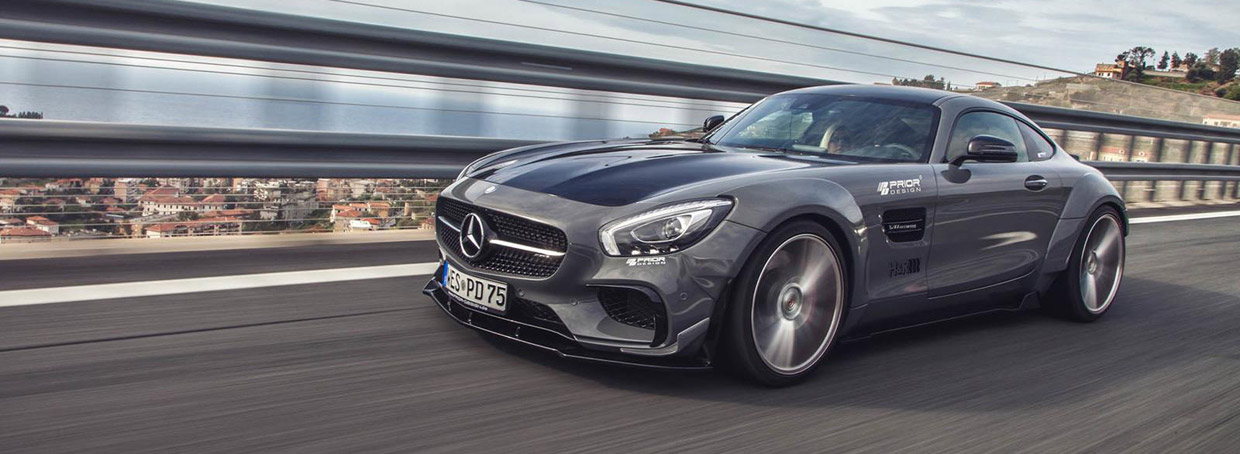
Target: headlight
665,229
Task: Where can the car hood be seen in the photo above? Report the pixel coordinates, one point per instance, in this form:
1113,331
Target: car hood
614,173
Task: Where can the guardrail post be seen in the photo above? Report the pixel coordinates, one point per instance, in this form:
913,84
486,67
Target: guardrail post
1217,154
1233,158
1194,154
1141,149
1172,150
1081,143
1099,141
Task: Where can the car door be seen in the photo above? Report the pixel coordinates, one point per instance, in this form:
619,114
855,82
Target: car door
992,220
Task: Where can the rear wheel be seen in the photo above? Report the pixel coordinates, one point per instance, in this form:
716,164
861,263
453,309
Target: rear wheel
1086,290
787,305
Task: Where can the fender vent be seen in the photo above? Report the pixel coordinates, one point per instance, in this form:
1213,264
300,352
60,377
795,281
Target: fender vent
905,224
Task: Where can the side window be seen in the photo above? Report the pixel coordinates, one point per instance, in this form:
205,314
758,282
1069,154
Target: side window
973,124
1040,149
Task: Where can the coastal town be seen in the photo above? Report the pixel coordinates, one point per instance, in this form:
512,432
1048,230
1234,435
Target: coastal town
36,210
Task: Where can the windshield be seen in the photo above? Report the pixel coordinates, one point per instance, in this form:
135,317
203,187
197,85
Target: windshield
836,127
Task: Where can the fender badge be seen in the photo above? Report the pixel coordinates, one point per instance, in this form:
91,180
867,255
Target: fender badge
900,186
489,190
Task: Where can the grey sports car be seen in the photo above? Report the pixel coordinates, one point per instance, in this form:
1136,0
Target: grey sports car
812,216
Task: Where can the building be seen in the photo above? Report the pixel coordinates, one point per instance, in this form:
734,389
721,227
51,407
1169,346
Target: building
182,184
202,227
214,202
358,188
8,200
12,235
344,213
63,184
1224,120
44,224
94,185
55,203
216,226
168,205
986,85
331,189
127,189
364,224
166,230
1111,70
289,201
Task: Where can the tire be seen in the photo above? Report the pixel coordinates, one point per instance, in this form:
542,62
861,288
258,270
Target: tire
1087,289
793,289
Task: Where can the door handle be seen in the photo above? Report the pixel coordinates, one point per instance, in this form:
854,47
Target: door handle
1036,183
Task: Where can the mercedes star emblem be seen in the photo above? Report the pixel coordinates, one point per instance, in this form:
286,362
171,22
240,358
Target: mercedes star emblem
473,236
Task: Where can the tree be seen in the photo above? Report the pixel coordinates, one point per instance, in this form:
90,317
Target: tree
4,110
1190,59
1175,60
1162,62
926,82
1200,72
1135,58
1228,63
1211,56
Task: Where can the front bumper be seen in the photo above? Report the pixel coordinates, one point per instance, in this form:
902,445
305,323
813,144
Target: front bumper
685,285
550,339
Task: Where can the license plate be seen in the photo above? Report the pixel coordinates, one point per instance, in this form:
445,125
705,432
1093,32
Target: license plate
477,292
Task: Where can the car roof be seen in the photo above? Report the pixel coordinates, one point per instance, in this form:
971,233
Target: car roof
911,94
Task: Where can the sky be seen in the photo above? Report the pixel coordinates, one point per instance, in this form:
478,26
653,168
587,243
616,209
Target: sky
85,84
1069,34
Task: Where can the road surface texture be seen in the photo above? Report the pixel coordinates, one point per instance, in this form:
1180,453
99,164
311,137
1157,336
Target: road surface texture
372,366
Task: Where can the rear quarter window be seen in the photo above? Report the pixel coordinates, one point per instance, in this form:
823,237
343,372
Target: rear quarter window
1040,149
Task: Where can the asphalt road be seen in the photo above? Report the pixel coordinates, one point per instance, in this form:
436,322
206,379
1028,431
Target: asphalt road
372,366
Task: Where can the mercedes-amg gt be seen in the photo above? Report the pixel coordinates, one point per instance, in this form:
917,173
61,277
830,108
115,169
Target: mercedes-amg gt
812,216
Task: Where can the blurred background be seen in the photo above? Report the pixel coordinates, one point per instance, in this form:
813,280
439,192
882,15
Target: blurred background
214,223
1052,57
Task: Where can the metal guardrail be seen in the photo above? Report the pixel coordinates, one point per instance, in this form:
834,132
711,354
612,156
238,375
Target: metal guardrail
47,148
1108,123
1166,171
42,148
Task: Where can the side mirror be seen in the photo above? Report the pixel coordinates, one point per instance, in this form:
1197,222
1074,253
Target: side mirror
712,122
986,148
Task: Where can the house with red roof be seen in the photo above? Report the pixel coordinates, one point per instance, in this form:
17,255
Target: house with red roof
12,235
44,224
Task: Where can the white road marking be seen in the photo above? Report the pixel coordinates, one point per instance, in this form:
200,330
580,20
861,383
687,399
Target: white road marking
27,297
1183,217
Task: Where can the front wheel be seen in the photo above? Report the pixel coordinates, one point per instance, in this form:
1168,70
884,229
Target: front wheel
787,305
1086,290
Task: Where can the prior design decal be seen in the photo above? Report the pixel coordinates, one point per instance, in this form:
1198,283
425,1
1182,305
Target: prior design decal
902,267
646,261
894,187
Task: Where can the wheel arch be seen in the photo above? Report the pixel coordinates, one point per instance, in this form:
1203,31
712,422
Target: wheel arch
1090,192
835,223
